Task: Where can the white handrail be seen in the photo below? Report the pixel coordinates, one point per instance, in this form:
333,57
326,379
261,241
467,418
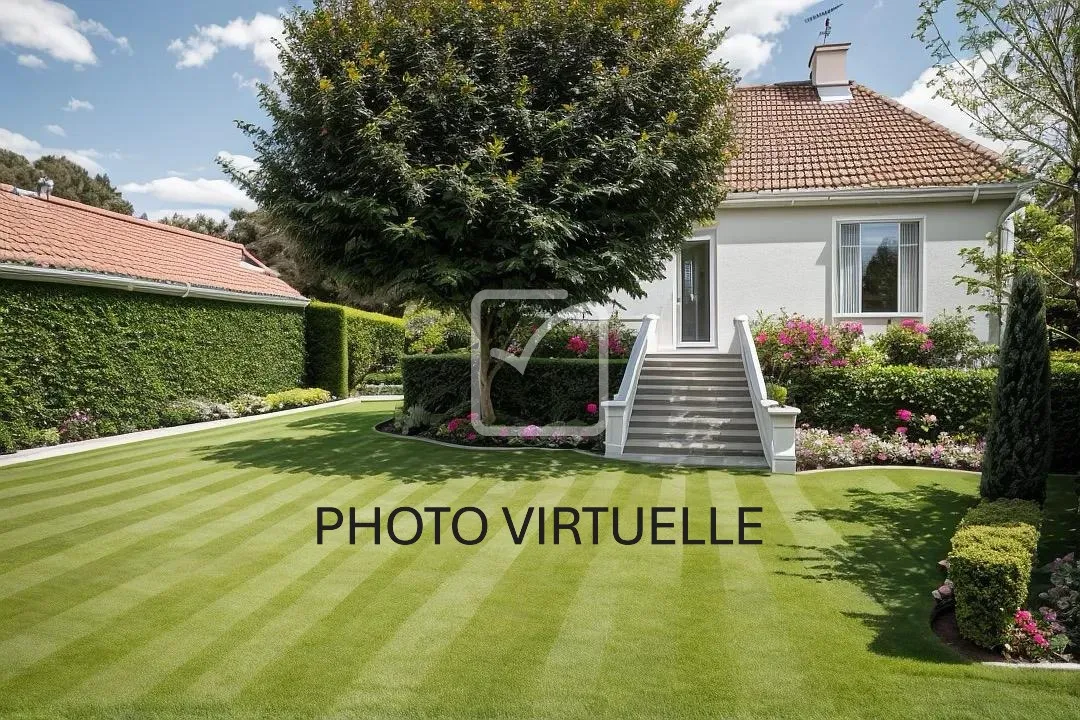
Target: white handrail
756,380
617,411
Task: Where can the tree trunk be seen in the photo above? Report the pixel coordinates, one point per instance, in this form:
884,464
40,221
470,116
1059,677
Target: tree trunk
1075,279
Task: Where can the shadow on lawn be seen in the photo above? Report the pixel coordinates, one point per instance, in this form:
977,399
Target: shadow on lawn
345,443
895,563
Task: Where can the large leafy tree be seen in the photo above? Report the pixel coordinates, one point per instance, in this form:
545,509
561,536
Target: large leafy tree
200,223
71,181
437,148
1013,67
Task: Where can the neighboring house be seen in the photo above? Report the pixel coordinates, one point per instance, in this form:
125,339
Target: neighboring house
842,204
60,241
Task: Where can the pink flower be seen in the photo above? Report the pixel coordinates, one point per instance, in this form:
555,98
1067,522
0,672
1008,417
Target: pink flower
504,432
471,436
904,415
530,432
1040,640
920,328
591,408
453,424
761,338
1031,628
901,430
784,338
1023,616
577,345
839,362
474,416
787,356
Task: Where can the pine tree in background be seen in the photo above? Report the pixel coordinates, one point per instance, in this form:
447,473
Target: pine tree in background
1017,457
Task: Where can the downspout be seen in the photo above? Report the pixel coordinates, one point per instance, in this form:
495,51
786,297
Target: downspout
1017,201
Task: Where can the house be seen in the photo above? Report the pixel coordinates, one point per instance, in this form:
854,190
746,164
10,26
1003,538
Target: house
842,204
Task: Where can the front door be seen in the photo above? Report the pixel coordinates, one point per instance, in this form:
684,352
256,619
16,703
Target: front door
695,293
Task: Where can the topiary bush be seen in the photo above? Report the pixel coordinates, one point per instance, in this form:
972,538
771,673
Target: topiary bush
552,389
1018,440
327,348
297,398
990,567
122,357
376,343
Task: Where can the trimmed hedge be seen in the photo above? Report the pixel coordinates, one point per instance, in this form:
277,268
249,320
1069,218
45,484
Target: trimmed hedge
990,567
376,343
552,389
327,348
837,399
124,356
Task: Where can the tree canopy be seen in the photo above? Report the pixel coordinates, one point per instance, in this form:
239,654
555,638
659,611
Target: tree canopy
200,223
437,148
71,181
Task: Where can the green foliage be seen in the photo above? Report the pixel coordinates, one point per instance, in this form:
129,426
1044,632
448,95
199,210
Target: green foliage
777,392
435,332
838,399
199,223
297,398
990,566
327,348
415,419
1018,440
948,342
123,357
552,389
71,181
387,378
376,342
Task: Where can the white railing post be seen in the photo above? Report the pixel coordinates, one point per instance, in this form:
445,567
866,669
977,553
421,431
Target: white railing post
776,423
617,412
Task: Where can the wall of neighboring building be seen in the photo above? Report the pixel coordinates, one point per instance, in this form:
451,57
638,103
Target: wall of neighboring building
773,258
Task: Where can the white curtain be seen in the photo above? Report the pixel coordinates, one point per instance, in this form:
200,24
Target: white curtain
850,269
909,268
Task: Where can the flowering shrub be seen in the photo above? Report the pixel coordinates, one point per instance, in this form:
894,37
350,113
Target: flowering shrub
906,343
1064,595
816,448
461,430
792,342
78,425
578,346
922,424
948,341
569,339
1035,638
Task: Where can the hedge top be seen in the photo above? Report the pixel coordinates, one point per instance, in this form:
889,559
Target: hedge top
64,235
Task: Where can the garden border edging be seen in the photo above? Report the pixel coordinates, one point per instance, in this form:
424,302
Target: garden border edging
52,451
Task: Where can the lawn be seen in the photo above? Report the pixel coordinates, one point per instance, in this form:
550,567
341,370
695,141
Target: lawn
181,578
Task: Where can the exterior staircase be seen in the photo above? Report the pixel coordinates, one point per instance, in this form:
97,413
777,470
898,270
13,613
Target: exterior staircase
694,409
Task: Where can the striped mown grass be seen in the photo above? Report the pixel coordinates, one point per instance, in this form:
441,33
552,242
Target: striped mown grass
181,578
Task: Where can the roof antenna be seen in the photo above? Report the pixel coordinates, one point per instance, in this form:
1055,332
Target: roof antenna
44,187
824,34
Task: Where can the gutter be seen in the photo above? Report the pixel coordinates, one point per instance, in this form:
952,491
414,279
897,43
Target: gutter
795,198
71,277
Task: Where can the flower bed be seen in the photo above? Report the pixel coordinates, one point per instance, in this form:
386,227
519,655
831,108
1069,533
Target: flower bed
461,430
816,448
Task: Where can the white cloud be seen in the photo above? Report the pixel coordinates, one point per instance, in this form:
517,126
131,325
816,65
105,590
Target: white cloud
242,82
242,163
31,61
212,213
256,35
200,191
56,130
754,27
32,150
920,98
77,105
53,28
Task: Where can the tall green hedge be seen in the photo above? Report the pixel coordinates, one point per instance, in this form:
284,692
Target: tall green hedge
840,398
552,389
327,348
124,356
376,343
990,566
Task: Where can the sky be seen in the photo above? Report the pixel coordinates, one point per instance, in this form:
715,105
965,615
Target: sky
148,91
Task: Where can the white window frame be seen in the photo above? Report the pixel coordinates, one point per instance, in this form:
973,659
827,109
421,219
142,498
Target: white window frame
835,273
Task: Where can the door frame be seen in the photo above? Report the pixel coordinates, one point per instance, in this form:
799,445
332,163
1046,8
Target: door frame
708,236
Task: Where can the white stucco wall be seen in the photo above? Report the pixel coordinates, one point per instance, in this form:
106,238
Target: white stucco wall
776,258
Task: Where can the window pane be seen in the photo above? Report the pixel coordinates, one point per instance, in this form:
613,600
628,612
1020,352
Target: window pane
850,268
880,254
909,267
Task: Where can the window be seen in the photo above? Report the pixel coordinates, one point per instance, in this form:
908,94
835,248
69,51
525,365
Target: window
879,268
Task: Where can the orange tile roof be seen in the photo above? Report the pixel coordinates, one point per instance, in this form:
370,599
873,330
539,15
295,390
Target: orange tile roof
68,235
787,139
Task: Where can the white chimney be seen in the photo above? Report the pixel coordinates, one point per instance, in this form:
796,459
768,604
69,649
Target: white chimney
828,72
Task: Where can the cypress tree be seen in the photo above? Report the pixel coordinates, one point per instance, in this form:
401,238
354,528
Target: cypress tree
1017,457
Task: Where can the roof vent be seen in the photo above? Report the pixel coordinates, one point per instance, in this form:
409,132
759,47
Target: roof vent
44,187
828,72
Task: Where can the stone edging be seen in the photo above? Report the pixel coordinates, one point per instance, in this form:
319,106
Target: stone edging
472,448
886,467
42,453
1069,666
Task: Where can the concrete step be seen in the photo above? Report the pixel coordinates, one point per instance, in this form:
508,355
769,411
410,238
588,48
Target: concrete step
699,447
702,384
676,368
666,411
749,462
695,357
694,400
667,373
649,435
648,423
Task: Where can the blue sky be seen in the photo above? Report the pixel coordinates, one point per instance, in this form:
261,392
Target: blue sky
148,91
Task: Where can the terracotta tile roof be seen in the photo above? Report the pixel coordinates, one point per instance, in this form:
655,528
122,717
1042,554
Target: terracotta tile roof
71,236
787,139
